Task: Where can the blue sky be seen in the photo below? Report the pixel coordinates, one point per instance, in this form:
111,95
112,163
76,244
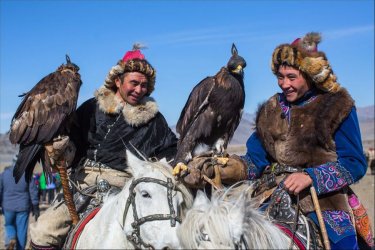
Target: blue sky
187,41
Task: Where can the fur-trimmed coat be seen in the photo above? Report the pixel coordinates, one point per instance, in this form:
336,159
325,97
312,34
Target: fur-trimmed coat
305,140
107,127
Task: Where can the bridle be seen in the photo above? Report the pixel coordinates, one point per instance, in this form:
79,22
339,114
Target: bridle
135,236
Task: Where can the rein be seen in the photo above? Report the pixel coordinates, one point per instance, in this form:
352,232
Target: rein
135,236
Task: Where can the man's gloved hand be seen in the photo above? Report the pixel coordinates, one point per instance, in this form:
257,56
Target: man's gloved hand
36,212
228,171
234,170
198,167
61,148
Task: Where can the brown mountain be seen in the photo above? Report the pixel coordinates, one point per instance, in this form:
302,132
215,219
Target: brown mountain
244,130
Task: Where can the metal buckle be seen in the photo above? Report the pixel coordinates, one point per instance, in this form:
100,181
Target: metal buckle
94,164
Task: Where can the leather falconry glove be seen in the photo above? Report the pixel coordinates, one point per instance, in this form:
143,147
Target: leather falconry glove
229,171
234,170
197,167
61,148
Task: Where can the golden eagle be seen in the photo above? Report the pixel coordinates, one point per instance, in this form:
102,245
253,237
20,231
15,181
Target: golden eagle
44,113
212,112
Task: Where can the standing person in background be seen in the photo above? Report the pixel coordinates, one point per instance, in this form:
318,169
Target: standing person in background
17,199
50,188
57,181
42,188
36,178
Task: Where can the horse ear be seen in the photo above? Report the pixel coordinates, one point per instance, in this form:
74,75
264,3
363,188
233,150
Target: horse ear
164,160
236,218
134,164
201,201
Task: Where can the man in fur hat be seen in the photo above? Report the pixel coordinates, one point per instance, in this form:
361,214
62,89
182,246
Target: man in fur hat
311,131
122,116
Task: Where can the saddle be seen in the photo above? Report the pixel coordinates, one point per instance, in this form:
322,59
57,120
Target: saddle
88,203
283,211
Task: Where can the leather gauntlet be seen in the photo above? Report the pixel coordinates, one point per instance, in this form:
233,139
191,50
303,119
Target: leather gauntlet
234,170
221,170
61,148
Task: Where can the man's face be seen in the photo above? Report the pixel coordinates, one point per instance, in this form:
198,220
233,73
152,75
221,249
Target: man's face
132,87
292,83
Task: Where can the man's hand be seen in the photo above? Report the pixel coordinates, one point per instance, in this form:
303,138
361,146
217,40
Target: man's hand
297,182
234,170
228,172
197,168
61,148
36,212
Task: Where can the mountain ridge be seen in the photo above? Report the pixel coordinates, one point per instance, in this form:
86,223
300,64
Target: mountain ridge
242,133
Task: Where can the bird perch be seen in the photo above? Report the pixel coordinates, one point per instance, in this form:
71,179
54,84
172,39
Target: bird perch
67,194
323,229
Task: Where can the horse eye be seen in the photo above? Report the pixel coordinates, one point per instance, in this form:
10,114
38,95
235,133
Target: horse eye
145,194
205,237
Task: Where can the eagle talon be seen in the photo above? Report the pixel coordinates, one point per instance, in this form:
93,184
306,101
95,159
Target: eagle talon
222,160
179,168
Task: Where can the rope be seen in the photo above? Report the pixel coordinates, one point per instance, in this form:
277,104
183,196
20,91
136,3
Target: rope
66,191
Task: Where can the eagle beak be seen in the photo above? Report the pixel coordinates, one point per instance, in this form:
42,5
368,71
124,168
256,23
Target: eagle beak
238,70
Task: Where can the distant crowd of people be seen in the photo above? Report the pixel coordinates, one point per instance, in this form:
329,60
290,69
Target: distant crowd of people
48,187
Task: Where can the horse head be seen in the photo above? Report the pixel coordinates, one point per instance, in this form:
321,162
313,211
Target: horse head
154,205
229,220
213,224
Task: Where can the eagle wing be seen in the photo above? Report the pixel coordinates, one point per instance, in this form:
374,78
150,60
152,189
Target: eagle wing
44,108
43,114
196,104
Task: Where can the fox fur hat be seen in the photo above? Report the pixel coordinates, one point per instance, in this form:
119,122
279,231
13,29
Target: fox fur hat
303,55
133,61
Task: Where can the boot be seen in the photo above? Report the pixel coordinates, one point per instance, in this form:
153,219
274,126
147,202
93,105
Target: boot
12,244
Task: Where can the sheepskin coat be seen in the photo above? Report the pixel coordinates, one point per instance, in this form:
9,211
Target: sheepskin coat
307,139
106,128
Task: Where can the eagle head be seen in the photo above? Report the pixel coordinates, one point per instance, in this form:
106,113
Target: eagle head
69,66
236,63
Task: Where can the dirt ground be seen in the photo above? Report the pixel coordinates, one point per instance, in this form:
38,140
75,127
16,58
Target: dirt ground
364,189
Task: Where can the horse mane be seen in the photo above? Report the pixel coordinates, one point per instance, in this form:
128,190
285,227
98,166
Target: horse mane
166,169
228,218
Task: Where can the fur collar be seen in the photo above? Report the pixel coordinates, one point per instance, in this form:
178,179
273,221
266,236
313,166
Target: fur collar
136,116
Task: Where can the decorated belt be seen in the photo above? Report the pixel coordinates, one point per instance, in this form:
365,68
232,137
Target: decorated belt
95,164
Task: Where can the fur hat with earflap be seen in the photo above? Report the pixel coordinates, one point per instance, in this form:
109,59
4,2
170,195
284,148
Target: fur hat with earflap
133,61
303,55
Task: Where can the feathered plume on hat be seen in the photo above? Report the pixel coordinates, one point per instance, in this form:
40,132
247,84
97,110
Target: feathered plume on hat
133,61
303,54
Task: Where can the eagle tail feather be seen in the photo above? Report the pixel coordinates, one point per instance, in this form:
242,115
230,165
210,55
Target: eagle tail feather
28,156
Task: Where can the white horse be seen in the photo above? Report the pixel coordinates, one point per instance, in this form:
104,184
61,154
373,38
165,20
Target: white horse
145,214
229,221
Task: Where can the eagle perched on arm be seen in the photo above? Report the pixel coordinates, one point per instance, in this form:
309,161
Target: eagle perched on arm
212,112
44,114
